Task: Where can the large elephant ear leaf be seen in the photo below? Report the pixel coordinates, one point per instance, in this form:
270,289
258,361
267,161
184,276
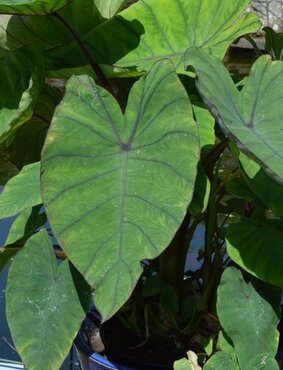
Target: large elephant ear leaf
253,117
31,7
108,8
129,178
144,32
46,307
248,318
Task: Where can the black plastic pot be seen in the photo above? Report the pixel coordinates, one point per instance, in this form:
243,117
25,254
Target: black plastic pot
98,362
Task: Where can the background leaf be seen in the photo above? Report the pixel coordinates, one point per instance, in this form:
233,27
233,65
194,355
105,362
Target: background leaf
264,186
144,33
247,240
274,43
45,308
22,191
4,20
7,169
246,115
128,181
32,7
20,82
52,35
108,8
247,318
25,144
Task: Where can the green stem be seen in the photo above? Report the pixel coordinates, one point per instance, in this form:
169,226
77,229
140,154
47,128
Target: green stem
254,45
172,260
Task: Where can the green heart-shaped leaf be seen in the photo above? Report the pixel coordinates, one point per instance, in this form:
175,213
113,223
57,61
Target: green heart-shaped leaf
246,115
129,178
145,33
248,318
248,239
22,191
44,310
108,8
32,7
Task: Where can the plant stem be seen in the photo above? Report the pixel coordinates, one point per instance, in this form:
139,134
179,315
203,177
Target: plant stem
254,45
172,261
97,70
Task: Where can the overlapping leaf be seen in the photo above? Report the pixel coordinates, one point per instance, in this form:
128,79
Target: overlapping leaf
264,186
32,7
52,34
22,191
252,117
43,305
248,239
108,8
274,43
4,20
25,145
145,32
129,178
21,79
248,318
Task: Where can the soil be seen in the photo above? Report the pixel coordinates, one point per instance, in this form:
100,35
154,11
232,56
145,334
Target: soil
125,347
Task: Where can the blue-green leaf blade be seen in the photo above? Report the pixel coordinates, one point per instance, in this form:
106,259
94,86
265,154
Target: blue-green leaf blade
125,176
21,191
247,318
245,115
44,311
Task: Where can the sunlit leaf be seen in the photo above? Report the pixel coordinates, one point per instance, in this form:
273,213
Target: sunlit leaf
43,304
4,20
108,8
144,33
246,115
32,7
128,181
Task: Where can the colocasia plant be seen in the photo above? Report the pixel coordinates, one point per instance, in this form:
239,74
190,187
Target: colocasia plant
122,135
